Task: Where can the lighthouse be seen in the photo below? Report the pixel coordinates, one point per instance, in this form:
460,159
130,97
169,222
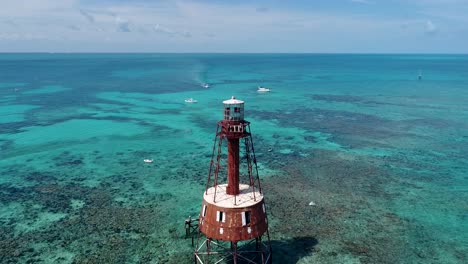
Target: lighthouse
233,224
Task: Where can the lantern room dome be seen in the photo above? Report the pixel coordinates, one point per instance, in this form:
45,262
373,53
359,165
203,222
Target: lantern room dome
233,100
233,109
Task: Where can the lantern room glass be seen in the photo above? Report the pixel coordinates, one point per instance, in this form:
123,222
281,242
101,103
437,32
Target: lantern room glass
234,112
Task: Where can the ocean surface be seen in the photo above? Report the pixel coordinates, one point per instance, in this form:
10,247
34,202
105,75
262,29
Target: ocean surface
381,154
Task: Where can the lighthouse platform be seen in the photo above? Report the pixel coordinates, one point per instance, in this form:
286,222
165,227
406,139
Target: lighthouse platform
233,217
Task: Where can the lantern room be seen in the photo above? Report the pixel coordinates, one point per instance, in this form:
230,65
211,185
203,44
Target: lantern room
233,109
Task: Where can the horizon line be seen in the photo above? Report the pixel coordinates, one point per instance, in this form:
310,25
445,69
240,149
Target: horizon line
183,52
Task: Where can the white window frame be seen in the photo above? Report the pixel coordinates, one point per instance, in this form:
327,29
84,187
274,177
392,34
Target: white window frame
223,216
244,218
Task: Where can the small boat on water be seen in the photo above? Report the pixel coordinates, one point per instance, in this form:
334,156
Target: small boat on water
148,160
205,85
191,100
263,89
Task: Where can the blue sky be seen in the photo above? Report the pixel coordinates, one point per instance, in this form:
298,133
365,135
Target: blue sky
338,26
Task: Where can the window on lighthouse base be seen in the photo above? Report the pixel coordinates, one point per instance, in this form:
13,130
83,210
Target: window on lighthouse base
204,210
220,216
245,218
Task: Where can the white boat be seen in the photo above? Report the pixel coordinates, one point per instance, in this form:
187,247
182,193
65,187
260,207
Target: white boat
205,85
148,160
191,100
263,89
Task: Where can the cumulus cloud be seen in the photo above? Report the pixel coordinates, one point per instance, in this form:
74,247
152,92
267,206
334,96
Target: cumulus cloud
160,29
26,36
186,34
73,27
430,28
88,17
362,1
173,33
261,9
221,26
210,35
10,23
122,25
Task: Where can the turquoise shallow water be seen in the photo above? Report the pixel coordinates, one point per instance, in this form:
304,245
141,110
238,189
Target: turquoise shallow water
381,154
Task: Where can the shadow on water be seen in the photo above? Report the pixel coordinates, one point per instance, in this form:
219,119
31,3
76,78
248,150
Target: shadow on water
292,250
284,251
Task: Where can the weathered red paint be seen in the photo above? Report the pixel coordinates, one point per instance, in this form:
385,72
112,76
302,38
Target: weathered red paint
232,228
233,166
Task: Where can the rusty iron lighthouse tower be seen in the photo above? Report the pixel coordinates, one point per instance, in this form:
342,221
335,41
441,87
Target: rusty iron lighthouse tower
233,224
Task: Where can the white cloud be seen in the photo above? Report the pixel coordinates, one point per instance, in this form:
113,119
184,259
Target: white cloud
88,16
73,27
10,23
161,29
362,1
430,28
122,24
262,9
196,26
